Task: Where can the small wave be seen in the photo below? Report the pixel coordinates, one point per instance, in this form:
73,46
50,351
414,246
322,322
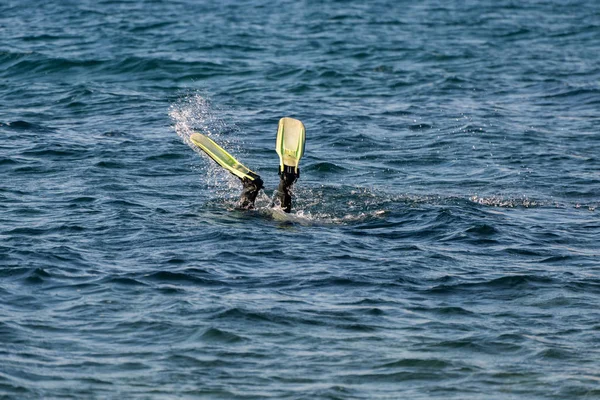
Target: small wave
483,230
419,127
28,231
514,34
587,286
23,65
142,64
498,284
188,277
26,126
326,167
110,164
334,281
588,93
415,363
520,280
349,142
554,354
395,377
153,26
123,204
82,200
453,311
176,261
215,335
557,259
123,280
37,276
523,251
20,125
43,38
8,162
357,327
237,313
116,133
57,152
165,156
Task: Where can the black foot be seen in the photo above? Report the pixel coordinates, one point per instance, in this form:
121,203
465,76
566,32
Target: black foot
249,192
284,191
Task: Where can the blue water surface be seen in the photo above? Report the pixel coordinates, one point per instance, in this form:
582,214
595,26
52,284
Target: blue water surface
445,237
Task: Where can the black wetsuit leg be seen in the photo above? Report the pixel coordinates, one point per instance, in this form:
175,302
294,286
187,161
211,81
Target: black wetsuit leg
284,193
249,192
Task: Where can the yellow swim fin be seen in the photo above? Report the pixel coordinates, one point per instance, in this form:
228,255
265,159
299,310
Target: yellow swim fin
222,157
291,136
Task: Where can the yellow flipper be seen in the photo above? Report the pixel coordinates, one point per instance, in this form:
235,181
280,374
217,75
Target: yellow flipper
222,157
291,136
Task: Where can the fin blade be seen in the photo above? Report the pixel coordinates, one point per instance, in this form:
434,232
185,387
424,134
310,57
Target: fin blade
291,137
222,157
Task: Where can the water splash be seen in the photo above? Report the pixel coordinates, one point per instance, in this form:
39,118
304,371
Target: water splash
322,205
195,113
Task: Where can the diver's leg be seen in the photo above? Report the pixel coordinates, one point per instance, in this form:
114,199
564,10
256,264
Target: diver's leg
284,191
249,192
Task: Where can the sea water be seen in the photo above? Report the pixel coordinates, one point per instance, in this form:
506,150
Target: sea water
445,237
